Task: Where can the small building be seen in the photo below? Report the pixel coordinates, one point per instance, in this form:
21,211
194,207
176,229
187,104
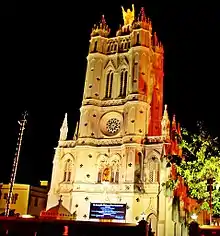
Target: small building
26,199
58,212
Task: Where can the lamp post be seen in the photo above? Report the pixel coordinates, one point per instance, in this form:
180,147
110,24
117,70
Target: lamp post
143,216
194,217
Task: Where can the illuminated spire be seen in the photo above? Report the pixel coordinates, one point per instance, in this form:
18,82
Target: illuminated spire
142,15
64,129
165,124
101,29
156,44
142,21
174,122
155,39
178,129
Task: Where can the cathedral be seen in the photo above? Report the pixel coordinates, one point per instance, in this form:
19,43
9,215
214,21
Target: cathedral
117,153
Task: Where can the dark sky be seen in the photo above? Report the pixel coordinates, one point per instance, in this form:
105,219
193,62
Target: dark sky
43,70
8,8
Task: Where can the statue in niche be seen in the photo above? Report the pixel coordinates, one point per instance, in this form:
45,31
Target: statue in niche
128,16
106,176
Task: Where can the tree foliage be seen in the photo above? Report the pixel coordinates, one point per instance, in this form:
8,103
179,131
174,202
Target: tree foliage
199,164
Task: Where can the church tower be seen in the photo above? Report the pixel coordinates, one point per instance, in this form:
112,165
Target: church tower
116,154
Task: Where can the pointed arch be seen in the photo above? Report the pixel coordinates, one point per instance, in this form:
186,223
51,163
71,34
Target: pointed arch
152,167
123,82
95,46
110,65
68,168
152,220
115,166
101,163
109,83
108,168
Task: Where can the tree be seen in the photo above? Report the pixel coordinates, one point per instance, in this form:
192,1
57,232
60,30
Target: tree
192,172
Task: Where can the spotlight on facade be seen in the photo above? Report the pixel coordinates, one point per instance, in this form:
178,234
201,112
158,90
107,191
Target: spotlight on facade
27,216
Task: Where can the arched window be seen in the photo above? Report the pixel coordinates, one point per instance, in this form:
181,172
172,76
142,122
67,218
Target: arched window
68,171
109,82
110,86
108,169
115,174
153,168
109,46
126,45
107,85
112,47
129,45
95,46
122,46
99,180
135,71
123,83
152,220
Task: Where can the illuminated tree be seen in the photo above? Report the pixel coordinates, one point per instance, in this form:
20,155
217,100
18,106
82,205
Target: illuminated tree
195,169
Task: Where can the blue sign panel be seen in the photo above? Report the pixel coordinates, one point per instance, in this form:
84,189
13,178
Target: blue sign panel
107,211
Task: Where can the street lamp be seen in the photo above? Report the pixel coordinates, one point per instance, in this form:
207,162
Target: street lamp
194,217
143,216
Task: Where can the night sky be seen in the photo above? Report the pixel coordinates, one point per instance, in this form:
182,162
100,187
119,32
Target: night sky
44,64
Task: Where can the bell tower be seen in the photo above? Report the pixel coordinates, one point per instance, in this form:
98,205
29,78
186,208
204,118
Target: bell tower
124,78
116,154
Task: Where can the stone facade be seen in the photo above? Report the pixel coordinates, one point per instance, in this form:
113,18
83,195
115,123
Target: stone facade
116,154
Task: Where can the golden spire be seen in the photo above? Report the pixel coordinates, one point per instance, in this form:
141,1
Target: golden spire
165,124
128,16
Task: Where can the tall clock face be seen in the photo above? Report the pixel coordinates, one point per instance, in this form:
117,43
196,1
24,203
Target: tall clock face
111,123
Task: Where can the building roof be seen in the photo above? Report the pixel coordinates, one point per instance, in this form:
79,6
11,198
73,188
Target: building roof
57,212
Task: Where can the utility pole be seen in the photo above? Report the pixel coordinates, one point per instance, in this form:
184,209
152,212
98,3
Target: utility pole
22,124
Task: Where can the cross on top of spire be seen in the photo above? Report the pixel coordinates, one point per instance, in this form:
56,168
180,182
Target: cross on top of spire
60,199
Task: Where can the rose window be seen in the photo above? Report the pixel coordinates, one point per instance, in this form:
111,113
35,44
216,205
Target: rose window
113,125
